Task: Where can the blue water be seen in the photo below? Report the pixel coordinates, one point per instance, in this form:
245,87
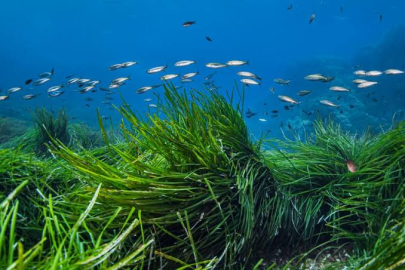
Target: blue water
84,38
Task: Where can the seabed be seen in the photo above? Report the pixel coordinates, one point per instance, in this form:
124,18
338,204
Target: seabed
188,187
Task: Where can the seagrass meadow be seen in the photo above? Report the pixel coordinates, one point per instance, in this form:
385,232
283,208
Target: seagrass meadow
188,187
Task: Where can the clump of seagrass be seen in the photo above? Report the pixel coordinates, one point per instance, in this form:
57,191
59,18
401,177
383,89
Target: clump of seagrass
49,128
193,172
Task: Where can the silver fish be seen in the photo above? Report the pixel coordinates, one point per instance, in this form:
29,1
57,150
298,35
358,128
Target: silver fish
359,81
143,89
339,89
129,63
312,18
87,89
116,66
366,84
303,93
46,74
56,94
83,81
360,73
237,63
249,82
282,82
248,74
120,80
168,77
147,99
315,77
14,89
328,103
41,81
156,69
184,63
4,98
262,120
288,99
29,96
72,81
215,65
152,105
189,75
54,88
393,72
373,73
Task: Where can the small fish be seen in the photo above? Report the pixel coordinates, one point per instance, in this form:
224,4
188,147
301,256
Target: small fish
374,99
215,65
272,89
359,81
282,82
116,66
393,72
237,63
169,77
4,98
286,107
13,90
46,74
156,69
143,89
184,63
307,112
41,81
351,106
186,80
303,93
248,74
120,80
87,105
56,94
27,82
288,99
262,120
338,89
315,77
209,76
189,75
328,103
373,73
248,82
290,7
147,99
54,88
29,96
72,81
86,89
93,83
129,63
83,81
381,17
209,39
351,166
189,23
152,106
366,84
156,86
312,18
360,73
274,111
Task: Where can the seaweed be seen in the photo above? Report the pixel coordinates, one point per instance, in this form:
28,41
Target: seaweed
188,187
